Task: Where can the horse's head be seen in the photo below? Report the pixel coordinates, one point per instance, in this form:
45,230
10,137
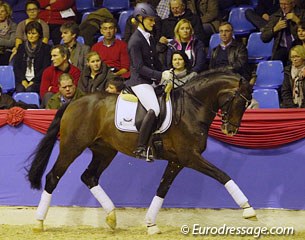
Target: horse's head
233,103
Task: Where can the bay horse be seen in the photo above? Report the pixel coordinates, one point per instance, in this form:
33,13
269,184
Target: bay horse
89,123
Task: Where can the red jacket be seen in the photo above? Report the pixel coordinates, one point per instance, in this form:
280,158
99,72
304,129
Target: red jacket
50,78
53,16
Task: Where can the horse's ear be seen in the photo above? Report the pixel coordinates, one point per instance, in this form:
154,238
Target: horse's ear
253,80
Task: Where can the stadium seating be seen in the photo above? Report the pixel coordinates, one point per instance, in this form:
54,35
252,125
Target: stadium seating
7,79
214,42
84,5
241,26
266,98
258,50
27,97
116,5
122,22
270,74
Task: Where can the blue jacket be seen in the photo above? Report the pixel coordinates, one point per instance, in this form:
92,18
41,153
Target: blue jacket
145,66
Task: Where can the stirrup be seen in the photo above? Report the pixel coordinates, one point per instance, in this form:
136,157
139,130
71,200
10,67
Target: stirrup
144,153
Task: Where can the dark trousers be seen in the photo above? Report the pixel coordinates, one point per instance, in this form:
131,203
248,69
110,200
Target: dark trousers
255,19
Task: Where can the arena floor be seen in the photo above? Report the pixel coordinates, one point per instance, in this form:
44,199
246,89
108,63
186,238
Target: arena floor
88,223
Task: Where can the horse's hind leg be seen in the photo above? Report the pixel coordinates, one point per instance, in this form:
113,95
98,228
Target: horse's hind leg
170,173
202,165
101,158
64,160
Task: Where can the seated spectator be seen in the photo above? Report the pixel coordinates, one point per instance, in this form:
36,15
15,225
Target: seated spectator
115,85
261,14
49,82
32,57
67,92
186,41
7,33
32,8
95,75
78,51
178,11
293,87
180,68
208,10
301,34
230,53
90,28
113,51
282,26
55,13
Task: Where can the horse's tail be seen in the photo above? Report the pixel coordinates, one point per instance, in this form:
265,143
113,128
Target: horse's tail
42,153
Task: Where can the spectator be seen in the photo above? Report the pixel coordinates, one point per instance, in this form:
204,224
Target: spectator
178,11
91,26
282,26
208,10
95,75
55,13
32,57
7,33
115,85
261,15
293,87
230,53
180,68
32,8
113,51
301,34
49,82
67,92
78,51
186,41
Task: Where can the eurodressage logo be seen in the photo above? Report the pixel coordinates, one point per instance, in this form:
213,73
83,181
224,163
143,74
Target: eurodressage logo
225,230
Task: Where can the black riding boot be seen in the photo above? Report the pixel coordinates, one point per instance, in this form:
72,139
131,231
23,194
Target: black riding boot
144,135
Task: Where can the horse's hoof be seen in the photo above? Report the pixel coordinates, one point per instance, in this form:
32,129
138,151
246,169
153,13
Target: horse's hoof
151,230
111,220
39,226
249,213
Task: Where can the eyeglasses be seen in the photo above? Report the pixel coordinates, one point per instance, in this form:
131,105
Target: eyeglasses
32,10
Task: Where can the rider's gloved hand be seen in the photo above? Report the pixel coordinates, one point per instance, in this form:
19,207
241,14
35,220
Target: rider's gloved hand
167,76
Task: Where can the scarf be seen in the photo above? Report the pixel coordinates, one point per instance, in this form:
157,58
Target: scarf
4,27
297,83
31,52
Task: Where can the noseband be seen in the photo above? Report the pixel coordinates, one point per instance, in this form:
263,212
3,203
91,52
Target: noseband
224,115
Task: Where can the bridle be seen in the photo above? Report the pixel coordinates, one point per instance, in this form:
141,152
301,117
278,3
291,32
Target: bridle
224,115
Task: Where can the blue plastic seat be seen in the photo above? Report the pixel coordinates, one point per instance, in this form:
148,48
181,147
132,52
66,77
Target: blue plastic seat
258,50
241,26
116,5
270,74
84,5
214,42
254,3
7,79
27,97
266,98
85,15
122,22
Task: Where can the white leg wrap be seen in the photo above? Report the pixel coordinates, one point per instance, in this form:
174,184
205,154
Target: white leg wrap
236,193
102,198
43,206
153,210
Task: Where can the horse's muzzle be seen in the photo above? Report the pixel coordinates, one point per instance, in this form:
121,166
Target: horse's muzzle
229,129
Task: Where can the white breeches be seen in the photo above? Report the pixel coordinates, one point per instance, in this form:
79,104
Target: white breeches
146,95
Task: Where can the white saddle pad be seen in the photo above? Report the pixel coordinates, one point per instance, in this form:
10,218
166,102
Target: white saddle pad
125,114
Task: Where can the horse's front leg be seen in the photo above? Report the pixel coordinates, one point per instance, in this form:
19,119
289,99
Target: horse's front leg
197,162
170,173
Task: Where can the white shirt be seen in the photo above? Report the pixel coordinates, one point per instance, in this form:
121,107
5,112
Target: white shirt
145,34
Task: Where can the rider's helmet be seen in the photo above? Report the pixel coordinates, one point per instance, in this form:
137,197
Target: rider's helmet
144,10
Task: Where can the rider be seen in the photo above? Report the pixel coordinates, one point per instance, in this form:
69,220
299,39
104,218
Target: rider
146,72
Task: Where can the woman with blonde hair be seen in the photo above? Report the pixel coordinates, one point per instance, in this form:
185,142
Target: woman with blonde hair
7,33
293,87
186,41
